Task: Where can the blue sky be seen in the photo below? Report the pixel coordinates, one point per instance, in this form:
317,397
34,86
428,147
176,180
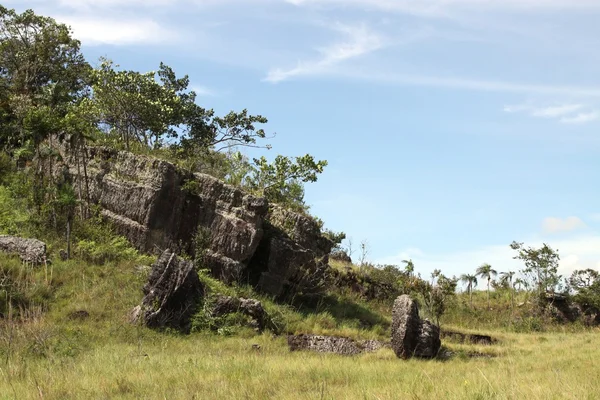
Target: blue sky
451,127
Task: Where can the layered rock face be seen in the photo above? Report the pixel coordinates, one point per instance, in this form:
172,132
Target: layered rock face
156,206
411,336
292,257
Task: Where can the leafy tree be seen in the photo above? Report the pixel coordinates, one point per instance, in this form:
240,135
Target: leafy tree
336,237
586,284
470,281
583,279
436,297
487,272
136,106
541,265
41,72
281,181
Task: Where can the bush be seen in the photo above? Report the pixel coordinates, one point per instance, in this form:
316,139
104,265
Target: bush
115,249
12,217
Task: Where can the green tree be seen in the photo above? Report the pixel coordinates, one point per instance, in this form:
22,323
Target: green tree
281,181
470,281
486,272
42,71
541,265
139,107
409,267
583,279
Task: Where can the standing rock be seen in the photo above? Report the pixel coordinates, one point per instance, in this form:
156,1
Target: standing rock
411,336
172,294
30,250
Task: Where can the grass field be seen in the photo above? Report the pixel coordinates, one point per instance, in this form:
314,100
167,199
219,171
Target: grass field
525,366
46,354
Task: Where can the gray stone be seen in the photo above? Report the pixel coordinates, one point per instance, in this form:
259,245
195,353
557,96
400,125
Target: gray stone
171,296
250,307
333,344
411,336
29,250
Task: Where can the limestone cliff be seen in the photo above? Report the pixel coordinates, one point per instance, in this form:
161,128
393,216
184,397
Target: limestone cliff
158,206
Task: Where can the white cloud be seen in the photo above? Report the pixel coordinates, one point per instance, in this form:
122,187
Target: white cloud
557,111
439,7
473,84
360,41
555,225
204,91
565,113
98,31
581,118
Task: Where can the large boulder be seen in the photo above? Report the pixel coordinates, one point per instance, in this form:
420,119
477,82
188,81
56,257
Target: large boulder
411,336
29,250
157,206
171,295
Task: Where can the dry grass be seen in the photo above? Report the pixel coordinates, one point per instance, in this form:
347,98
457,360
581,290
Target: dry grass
551,366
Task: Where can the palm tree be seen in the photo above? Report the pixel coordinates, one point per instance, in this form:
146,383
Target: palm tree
471,281
67,202
485,271
507,277
435,274
409,268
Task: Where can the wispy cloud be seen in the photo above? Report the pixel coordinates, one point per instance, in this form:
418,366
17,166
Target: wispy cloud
360,40
204,91
465,83
565,113
556,225
439,7
556,111
581,118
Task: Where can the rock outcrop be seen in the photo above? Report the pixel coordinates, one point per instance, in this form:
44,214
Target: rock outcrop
158,206
29,250
292,257
252,308
333,344
171,296
411,336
